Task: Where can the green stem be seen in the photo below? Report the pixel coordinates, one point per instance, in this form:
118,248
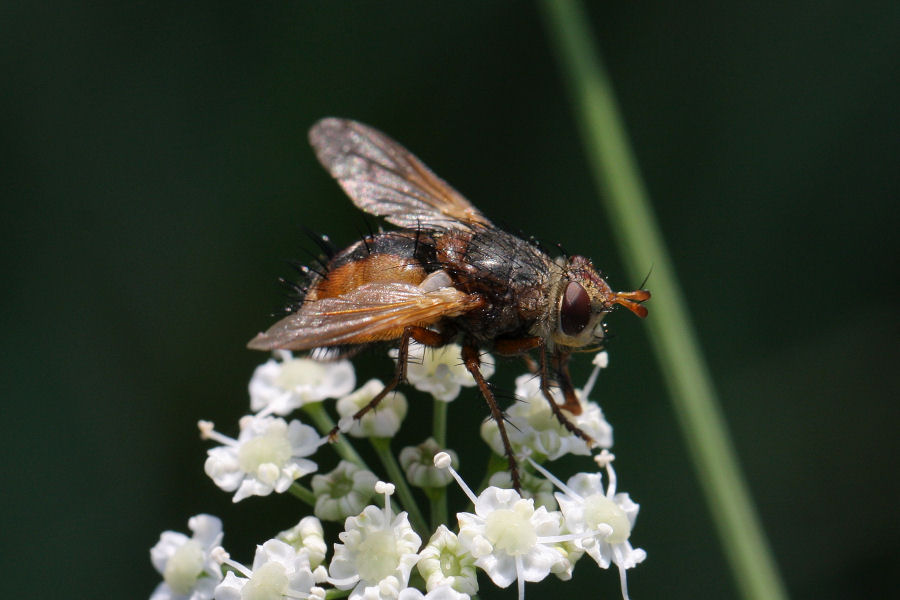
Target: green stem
437,505
325,425
437,497
439,423
395,473
303,493
672,334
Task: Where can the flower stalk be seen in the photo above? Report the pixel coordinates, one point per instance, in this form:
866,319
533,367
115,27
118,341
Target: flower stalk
324,423
303,493
672,334
439,423
382,448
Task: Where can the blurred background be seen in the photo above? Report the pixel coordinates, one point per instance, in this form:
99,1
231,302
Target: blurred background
156,175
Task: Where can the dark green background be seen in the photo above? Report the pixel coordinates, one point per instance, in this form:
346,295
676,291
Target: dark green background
155,173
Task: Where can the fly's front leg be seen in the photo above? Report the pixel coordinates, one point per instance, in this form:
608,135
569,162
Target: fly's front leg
519,347
572,405
473,362
426,337
561,366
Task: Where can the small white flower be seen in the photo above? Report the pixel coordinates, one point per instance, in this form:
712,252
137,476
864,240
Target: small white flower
279,387
509,539
342,492
443,562
534,426
600,518
266,457
307,535
186,563
383,421
377,554
278,571
444,592
418,465
440,371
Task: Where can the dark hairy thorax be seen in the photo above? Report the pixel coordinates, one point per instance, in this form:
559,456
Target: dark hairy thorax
510,273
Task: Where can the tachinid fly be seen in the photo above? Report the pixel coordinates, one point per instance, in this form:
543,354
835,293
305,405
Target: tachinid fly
447,275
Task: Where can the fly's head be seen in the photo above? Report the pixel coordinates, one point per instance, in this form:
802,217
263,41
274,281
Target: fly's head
581,300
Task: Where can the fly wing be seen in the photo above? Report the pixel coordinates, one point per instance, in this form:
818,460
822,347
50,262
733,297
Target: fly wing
370,313
383,178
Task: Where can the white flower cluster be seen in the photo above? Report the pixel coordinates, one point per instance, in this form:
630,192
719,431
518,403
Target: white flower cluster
509,537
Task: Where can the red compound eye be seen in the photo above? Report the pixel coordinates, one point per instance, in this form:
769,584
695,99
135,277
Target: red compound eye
574,309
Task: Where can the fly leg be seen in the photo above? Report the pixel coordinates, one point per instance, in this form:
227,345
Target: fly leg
426,337
519,347
530,364
560,363
561,366
473,362
565,382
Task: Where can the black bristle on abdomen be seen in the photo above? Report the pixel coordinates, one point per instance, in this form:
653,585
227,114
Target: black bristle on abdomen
322,241
295,294
307,272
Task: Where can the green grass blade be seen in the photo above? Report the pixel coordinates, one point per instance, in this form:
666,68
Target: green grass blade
672,335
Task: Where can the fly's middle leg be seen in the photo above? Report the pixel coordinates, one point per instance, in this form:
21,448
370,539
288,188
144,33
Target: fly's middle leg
426,337
473,362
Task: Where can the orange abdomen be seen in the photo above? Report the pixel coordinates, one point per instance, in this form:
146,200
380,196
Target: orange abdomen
373,268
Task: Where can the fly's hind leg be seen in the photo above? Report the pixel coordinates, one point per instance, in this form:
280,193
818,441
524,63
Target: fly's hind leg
426,337
473,362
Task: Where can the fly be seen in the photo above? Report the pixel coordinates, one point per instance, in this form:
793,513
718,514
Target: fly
447,275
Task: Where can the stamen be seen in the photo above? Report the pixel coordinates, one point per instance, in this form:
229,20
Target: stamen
382,487
267,410
442,460
589,386
520,576
206,428
552,478
605,459
602,531
238,567
219,554
623,580
270,408
208,432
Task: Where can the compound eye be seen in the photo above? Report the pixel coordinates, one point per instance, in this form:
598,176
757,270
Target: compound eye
574,309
